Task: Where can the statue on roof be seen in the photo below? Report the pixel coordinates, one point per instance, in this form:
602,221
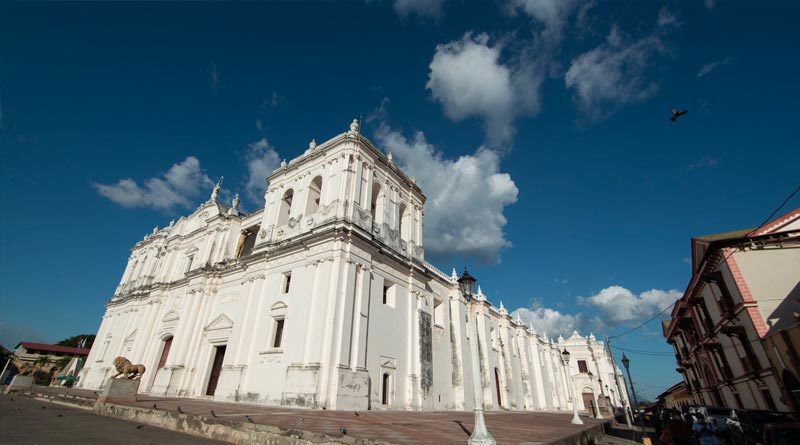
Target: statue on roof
235,203
215,191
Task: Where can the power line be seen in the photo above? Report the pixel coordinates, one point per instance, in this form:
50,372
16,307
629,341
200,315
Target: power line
768,219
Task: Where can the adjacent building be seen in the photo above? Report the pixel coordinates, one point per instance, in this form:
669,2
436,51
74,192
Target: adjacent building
323,299
734,331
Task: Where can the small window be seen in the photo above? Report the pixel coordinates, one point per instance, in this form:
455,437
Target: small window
388,293
189,261
582,366
278,337
287,282
247,241
438,312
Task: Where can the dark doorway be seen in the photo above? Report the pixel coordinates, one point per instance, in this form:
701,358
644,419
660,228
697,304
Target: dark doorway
385,390
497,385
792,386
165,353
219,355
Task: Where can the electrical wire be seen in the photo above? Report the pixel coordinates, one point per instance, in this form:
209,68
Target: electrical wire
768,219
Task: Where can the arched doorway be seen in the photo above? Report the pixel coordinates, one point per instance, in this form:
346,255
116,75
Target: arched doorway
497,386
792,386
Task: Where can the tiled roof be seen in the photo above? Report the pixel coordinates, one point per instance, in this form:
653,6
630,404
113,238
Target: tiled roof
54,348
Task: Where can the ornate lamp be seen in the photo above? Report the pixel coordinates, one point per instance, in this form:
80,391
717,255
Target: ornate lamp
571,387
466,283
565,355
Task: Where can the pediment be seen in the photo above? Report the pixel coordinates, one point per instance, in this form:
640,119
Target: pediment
132,335
170,316
220,323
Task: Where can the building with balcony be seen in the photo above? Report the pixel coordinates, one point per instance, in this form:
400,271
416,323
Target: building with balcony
322,299
745,287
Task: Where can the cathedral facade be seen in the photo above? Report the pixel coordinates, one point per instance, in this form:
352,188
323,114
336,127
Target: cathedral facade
323,299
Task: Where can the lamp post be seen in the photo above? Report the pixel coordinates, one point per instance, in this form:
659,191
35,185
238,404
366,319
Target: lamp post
480,435
626,363
596,399
565,359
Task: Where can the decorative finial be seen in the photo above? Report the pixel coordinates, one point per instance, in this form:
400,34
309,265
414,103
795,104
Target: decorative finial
414,179
172,222
235,203
217,187
560,339
530,326
502,309
354,126
454,276
283,163
155,229
479,296
313,144
389,157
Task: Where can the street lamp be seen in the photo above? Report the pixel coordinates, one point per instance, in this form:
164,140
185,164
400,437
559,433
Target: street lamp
480,435
575,418
626,363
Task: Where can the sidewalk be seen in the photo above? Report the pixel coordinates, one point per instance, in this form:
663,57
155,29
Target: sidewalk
410,427
622,435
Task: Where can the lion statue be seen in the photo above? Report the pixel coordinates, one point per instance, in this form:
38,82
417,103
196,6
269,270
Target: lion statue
127,369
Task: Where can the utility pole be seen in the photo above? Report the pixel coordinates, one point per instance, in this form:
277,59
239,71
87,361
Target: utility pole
625,401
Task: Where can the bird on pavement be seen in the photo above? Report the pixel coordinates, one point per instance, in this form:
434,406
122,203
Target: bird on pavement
676,114
154,406
343,430
356,413
180,410
138,427
249,419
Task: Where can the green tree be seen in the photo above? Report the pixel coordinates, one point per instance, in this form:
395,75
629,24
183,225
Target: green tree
42,361
74,341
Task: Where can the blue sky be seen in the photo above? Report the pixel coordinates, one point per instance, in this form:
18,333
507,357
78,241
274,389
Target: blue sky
576,196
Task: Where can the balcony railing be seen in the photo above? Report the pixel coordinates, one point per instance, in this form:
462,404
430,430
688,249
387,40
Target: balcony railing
134,285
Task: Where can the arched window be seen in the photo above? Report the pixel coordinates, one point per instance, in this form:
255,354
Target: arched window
165,347
403,227
314,195
285,207
376,204
278,313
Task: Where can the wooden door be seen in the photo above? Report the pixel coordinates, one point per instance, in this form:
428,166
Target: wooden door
216,368
165,353
497,385
588,402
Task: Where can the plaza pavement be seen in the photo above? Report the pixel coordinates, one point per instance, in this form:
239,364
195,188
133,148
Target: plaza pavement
407,427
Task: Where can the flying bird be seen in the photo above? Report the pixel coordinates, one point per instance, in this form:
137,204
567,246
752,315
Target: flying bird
676,114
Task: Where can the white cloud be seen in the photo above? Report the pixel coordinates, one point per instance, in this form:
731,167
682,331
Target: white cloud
617,305
182,182
552,322
613,73
423,8
611,307
262,160
709,67
551,14
710,4
667,18
468,78
466,196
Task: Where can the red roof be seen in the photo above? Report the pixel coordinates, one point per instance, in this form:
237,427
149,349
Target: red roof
54,348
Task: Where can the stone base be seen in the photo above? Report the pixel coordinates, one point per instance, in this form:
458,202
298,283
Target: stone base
119,391
19,382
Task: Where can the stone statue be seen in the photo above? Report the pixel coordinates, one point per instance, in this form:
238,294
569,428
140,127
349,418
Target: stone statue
354,126
215,192
235,203
127,369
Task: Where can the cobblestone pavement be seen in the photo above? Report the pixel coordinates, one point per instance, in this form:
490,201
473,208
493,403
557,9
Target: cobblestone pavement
413,427
24,421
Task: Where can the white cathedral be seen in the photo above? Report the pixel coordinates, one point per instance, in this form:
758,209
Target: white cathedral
323,300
